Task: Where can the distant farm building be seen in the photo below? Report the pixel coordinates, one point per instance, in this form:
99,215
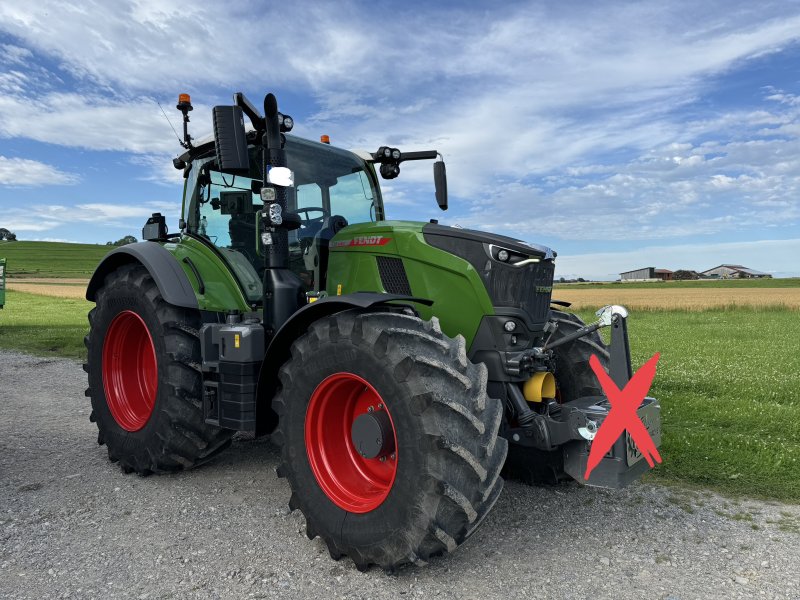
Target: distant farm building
685,274
663,274
735,272
646,274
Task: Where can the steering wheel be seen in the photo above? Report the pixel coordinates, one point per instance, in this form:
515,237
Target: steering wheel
308,226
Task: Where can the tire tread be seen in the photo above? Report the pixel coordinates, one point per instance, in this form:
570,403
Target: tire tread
448,394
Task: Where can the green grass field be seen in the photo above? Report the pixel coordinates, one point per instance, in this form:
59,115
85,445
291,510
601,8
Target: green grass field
52,259
729,386
728,382
787,282
44,325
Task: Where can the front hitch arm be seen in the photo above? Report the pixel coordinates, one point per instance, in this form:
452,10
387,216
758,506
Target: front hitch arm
616,317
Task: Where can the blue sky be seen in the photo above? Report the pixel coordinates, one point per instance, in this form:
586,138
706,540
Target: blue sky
621,134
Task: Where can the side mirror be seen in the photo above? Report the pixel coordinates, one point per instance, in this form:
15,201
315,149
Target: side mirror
440,180
230,140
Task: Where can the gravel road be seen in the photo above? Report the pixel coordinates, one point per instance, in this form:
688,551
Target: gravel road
73,525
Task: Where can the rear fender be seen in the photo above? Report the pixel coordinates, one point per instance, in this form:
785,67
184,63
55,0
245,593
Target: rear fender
279,349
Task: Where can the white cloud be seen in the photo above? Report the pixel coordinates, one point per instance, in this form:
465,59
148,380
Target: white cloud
519,77
672,190
11,54
32,173
158,168
13,82
38,218
49,239
103,212
89,121
555,122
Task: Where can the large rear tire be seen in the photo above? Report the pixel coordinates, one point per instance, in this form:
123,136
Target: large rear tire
434,474
574,379
144,378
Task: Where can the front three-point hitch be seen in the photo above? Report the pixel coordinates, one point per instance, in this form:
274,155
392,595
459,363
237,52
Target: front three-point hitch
558,424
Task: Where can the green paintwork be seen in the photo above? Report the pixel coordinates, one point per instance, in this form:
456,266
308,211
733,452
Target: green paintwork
459,295
222,291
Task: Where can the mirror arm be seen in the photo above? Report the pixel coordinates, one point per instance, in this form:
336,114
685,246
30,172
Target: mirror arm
240,100
423,155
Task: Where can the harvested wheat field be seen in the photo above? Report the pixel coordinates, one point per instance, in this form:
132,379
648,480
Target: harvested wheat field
56,280
680,298
59,288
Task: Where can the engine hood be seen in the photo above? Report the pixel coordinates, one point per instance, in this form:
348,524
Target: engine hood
432,231
516,274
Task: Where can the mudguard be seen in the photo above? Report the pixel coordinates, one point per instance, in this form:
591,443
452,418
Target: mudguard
162,266
278,351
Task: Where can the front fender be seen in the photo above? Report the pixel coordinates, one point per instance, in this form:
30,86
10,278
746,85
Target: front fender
278,351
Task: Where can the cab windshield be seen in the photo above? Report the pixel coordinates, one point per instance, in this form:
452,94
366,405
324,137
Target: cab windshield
330,184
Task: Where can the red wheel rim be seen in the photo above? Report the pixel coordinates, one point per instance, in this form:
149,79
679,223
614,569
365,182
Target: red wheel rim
352,482
130,371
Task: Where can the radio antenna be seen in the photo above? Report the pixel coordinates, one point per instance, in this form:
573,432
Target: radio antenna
170,122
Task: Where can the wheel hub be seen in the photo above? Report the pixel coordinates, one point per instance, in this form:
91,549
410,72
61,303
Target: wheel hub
372,434
351,442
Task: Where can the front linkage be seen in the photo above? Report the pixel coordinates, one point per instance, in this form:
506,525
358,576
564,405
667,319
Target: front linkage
573,425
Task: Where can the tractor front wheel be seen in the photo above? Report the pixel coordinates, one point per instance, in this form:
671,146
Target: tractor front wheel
144,378
388,438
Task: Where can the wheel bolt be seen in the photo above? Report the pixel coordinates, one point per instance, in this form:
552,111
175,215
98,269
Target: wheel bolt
370,409
380,406
383,459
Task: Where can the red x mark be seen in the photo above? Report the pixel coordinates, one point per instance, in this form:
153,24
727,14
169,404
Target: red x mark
624,404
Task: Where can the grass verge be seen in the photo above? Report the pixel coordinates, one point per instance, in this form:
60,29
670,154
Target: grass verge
44,325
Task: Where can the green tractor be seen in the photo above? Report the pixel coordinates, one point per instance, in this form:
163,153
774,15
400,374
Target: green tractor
399,366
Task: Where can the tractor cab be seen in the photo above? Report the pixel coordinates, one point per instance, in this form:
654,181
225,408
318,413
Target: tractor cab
332,188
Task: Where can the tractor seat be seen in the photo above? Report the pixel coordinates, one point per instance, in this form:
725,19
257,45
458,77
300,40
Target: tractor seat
242,230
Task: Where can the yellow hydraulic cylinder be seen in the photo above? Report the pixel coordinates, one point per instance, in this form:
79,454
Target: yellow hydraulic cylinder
541,385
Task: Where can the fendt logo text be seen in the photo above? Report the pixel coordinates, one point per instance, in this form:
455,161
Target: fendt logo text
363,240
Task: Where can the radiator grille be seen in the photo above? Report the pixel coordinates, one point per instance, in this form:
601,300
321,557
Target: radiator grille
393,275
529,287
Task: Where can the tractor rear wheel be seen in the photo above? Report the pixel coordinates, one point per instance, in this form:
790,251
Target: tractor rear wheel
574,379
388,438
144,378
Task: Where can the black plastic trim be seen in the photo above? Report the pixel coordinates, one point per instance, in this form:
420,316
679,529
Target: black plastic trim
162,266
393,275
561,303
472,235
201,286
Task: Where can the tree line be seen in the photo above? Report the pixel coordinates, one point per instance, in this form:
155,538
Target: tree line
10,236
